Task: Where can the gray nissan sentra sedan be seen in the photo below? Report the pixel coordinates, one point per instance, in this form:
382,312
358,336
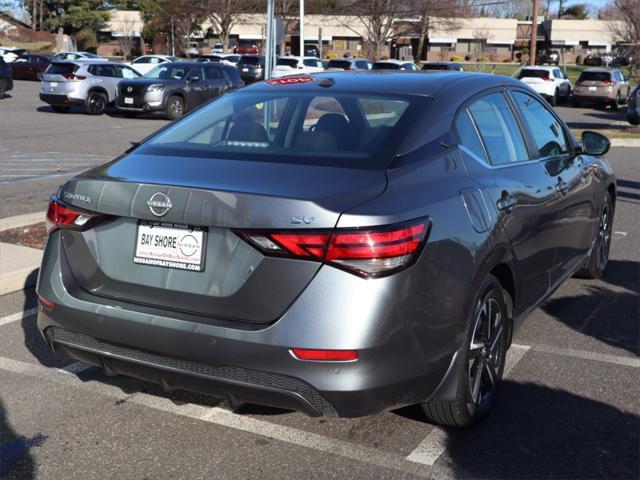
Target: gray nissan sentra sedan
339,244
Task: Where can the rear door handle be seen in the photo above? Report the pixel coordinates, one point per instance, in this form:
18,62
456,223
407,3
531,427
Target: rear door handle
506,203
562,186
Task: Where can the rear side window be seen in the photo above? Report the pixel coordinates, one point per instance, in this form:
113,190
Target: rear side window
469,135
61,68
547,132
499,130
212,73
363,65
312,63
434,66
287,62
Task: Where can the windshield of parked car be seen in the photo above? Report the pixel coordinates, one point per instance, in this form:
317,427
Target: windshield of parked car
434,66
167,72
385,66
533,73
594,77
287,62
315,128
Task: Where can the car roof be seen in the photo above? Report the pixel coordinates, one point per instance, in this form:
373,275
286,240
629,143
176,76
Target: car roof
538,67
394,81
597,69
393,60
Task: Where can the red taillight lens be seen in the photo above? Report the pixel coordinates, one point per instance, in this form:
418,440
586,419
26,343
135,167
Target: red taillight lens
608,82
368,252
60,215
325,355
73,76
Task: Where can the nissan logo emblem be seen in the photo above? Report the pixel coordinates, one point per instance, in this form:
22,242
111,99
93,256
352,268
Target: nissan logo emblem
129,89
159,204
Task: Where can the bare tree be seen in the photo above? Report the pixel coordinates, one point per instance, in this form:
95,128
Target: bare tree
377,17
625,25
434,15
127,37
224,14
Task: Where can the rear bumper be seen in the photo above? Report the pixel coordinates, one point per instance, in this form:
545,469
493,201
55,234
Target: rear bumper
253,364
62,100
585,98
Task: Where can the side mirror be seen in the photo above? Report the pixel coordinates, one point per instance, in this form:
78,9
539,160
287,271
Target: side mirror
594,143
194,79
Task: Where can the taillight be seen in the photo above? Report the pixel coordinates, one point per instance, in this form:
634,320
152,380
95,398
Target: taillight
548,79
368,252
73,76
608,82
61,215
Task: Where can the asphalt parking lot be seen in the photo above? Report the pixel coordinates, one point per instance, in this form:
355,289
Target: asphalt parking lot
568,408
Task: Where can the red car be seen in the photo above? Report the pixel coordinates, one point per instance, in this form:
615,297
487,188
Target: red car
29,67
247,47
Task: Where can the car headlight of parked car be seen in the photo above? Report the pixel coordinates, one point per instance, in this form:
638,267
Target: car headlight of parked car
157,87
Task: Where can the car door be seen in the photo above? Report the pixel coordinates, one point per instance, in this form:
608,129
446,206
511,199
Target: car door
574,188
517,187
109,77
197,88
216,81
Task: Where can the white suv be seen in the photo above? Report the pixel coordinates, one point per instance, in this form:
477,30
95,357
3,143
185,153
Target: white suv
550,82
292,65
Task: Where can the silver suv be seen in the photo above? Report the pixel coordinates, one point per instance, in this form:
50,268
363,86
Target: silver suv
91,84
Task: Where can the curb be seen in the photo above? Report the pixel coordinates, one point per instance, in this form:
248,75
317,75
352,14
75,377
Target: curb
22,220
625,142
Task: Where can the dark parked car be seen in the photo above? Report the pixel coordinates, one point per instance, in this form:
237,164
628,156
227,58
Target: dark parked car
335,244
440,66
176,88
551,57
251,68
6,79
633,107
350,64
30,67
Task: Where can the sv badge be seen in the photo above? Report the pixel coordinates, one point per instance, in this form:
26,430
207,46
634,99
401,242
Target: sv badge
298,220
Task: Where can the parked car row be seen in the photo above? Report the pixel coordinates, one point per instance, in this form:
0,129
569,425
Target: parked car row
172,87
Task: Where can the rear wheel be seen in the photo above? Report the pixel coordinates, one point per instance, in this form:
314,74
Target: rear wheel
96,103
599,256
60,108
175,107
3,87
480,372
554,98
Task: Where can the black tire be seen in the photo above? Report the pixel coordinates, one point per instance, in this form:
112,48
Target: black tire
576,103
3,88
633,120
60,108
554,99
484,358
616,103
599,255
175,107
96,103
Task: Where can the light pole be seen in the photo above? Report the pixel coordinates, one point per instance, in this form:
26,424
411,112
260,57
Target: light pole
301,28
534,33
268,60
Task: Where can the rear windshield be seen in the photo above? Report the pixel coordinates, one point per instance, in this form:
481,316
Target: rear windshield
287,62
386,66
434,66
533,73
250,60
594,76
310,128
339,64
61,68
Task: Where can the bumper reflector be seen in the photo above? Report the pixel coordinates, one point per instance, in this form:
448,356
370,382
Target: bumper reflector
325,355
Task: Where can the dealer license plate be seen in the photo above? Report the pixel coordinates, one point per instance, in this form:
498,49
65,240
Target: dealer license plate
128,100
170,246
592,89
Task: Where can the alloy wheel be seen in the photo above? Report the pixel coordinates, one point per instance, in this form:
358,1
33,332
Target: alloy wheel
604,238
176,107
485,351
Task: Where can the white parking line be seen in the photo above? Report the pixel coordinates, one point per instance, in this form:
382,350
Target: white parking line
586,355
434,444
223,418
18,316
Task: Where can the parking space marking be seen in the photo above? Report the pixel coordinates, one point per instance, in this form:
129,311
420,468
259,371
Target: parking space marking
18,316
587,355
224,418
434,444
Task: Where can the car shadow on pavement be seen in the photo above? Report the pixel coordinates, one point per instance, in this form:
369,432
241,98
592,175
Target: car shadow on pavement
110,112
607,315
537,431
16,461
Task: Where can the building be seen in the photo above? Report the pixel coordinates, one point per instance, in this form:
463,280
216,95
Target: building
581,37
122,32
